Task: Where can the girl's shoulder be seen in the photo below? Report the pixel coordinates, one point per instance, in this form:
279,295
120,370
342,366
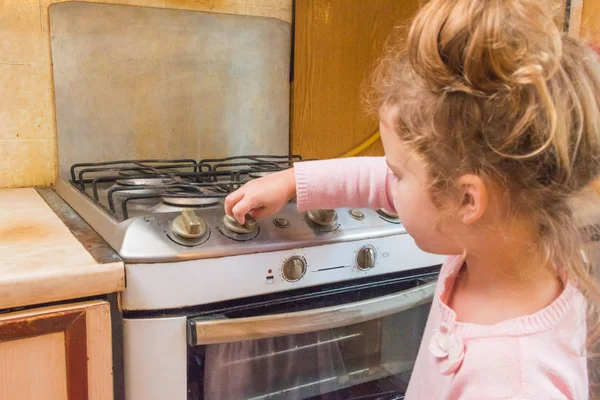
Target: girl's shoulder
542,355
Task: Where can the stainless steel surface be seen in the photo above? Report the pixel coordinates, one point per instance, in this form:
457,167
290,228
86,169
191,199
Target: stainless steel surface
326,218
88,237
235,330
231,223
147,236
366,258
293,269
140,82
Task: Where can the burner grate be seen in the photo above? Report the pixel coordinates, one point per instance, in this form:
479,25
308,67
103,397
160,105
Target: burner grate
115,185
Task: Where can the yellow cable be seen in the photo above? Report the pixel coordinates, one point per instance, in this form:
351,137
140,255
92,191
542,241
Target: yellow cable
363,146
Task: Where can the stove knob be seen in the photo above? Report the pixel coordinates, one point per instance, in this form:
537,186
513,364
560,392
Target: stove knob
281,222
231,223
293,269
188,225
365,259
357,214
323,217
388,216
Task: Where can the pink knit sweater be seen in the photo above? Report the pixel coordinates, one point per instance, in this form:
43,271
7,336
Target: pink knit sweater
539,356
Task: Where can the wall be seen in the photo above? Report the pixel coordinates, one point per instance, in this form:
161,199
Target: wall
28,149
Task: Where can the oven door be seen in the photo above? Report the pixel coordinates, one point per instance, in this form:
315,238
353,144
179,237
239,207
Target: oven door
355,342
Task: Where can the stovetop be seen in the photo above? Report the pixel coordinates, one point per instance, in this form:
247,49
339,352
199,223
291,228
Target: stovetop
172,210
131,188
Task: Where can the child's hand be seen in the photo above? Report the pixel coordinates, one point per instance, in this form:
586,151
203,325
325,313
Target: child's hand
262,197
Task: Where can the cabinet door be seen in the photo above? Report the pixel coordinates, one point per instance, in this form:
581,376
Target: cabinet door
56,353
336,44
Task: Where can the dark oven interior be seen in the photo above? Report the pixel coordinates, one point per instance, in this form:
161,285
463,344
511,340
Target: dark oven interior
370,360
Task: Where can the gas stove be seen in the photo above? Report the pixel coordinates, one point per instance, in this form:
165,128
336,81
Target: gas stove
354,274
166,220
299,304
172,210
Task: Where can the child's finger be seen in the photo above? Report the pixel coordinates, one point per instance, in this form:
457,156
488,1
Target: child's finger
242,208
232,199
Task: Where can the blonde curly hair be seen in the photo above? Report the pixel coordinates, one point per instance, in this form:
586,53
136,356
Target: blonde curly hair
492,87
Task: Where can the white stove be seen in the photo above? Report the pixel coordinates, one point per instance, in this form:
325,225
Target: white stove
204,295
165,219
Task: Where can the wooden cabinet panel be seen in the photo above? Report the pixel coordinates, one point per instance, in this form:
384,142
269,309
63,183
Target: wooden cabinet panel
34,368
590,21
336,44
59,352
99,348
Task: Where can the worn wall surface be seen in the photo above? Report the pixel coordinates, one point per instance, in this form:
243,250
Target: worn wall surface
28,148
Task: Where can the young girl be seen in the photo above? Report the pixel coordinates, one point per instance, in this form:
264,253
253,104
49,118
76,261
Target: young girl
490,121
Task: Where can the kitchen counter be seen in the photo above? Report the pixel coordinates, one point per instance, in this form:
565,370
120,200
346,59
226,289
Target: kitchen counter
41,259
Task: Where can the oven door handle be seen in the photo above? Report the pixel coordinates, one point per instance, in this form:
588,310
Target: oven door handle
202,331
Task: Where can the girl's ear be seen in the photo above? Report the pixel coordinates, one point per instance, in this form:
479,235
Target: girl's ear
474,202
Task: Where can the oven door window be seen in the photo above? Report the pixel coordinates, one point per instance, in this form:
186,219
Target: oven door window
366,349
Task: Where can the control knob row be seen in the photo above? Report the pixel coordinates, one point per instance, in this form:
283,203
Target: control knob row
189,226
294,268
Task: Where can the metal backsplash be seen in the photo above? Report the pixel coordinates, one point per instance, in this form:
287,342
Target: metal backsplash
138,82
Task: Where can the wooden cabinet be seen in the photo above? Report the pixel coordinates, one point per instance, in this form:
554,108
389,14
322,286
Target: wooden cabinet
57,353
336,44
585,20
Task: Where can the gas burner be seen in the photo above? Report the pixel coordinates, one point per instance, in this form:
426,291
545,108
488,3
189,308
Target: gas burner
177,201
129,188
151,181
245,168
192,196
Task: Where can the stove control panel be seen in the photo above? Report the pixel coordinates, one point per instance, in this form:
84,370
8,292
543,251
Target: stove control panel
199,233
155,286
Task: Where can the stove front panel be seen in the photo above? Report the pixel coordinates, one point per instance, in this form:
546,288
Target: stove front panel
189,283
